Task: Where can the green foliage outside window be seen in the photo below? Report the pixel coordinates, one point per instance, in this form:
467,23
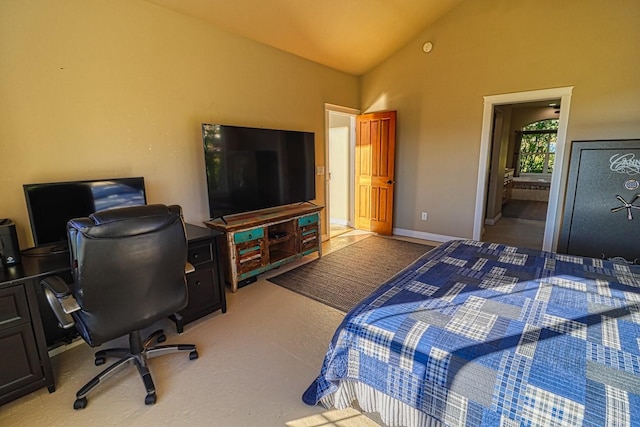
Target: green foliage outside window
548,124
538,146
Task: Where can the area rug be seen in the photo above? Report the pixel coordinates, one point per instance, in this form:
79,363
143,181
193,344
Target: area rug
343,278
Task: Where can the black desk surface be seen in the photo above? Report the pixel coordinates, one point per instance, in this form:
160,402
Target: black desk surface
46,265
33,267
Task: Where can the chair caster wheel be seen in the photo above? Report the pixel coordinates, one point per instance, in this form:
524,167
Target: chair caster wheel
99,361
193,355
161,338
80,403
150,399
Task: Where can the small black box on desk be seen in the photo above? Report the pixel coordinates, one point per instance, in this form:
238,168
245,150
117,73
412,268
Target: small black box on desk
9,249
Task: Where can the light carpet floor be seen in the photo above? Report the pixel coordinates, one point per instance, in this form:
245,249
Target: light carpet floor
255,362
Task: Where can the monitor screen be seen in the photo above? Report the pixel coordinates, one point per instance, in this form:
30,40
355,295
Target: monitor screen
253,168
51,205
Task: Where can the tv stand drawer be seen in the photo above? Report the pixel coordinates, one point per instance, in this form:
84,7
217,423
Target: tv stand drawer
309,219
248,236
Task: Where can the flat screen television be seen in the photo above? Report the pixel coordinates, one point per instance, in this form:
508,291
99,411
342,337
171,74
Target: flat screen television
51,205
253,168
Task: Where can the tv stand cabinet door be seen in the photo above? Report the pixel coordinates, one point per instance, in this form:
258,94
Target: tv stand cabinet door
246,252
309,234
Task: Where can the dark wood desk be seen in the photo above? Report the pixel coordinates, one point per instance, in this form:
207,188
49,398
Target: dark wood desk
206,283
25,365
29,329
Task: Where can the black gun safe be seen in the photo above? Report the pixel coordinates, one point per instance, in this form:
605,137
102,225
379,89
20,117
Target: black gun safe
602,204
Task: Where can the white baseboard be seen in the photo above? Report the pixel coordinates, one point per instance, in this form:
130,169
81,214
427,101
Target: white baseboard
493,221
338,221
424,236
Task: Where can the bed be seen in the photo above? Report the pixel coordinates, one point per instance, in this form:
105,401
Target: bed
477,333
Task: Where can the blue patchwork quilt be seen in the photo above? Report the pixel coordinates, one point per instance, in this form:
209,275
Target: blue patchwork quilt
485,334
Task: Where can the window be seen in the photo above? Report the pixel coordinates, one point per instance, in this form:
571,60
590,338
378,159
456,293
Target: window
538,147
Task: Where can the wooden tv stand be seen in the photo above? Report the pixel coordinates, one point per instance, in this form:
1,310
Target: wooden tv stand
261,240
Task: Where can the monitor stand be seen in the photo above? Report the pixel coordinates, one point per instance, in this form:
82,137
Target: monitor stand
46,250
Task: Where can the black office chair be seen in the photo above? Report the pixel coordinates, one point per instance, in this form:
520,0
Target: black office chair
129,272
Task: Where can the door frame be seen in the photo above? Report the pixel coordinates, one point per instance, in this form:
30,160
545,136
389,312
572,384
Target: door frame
552,229
351,113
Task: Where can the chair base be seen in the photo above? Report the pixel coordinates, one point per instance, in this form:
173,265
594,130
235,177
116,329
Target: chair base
138,353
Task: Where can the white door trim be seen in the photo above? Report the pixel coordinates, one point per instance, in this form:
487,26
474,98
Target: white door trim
340,109
352,113
551,230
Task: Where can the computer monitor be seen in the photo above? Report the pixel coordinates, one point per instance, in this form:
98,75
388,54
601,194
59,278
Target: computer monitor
51,205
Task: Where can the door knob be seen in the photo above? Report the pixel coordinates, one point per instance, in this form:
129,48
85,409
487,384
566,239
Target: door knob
390,181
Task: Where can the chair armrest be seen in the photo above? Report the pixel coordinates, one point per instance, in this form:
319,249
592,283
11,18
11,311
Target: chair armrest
60,299
189,268
55,284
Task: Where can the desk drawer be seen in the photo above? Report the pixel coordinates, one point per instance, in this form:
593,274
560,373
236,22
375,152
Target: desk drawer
249,235
199,254
14,309
202,289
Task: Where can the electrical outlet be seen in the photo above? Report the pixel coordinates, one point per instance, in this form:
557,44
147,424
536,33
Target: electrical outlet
424,216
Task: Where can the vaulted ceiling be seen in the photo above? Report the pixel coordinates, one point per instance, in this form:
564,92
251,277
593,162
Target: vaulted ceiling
348,35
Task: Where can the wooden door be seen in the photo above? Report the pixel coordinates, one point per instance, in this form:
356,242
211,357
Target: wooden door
375,155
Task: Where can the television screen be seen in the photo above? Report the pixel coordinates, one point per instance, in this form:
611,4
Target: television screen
52,205
252,168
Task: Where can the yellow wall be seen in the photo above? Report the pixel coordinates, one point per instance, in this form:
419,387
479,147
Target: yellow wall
107,88
110,88
493,47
